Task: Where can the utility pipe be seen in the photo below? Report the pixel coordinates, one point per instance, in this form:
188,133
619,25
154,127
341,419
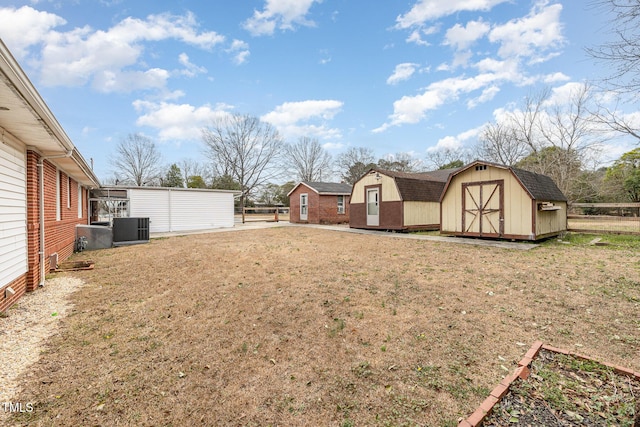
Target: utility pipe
41,207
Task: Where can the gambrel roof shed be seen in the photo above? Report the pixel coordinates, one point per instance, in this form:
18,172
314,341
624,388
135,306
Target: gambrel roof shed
390,200
485,199
419,187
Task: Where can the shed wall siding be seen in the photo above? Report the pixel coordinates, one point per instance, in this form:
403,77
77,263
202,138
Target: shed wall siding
153,204
201,210
179,210
517,202
421,213
549,222
389,192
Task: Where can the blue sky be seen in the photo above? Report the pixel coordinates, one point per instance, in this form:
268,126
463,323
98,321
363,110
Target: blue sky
394,76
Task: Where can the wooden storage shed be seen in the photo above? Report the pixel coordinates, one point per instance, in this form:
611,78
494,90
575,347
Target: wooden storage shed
44,184
486,199
319,203
387,200
173,209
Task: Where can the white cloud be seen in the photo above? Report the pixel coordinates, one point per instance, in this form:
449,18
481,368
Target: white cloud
402,72
532,35
463,37
487,95
24,27
429,10
240,51
412,109
128,81
455,142
83,55
178,122
305,118
190,69
416,36
556,77
562,95
279,14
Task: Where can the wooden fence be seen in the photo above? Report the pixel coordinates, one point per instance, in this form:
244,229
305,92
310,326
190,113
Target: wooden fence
264,213
619,218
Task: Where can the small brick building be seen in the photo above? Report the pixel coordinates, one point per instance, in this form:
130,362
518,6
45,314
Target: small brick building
319,203
44,183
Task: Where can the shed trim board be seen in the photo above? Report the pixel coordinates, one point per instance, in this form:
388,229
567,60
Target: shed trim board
180,209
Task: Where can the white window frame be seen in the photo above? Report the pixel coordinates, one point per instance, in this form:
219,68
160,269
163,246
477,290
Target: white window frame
341,210
68,192
58,201
79,200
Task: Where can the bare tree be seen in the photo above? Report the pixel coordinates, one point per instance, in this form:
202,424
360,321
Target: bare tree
354,163
554,138
309,160
401,162
498,143
622,54
137,161
446,158
612,119
245,149
191,168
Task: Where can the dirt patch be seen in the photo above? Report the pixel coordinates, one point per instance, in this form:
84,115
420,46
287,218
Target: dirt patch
300,326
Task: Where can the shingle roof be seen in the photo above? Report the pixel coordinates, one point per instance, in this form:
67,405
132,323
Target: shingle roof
329,187
439,175
419,187
540,186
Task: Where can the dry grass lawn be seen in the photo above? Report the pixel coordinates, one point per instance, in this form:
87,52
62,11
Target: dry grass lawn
299,326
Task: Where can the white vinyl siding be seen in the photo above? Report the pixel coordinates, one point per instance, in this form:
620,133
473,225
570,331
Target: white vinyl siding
13,214
182,210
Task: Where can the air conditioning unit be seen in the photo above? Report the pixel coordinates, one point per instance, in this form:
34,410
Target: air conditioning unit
128,231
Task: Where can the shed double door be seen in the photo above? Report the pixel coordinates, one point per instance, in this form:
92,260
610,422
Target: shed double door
483,208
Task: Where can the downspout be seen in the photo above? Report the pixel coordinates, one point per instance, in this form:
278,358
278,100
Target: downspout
41,207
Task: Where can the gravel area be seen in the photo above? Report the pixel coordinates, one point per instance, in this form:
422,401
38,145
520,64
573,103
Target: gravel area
25,329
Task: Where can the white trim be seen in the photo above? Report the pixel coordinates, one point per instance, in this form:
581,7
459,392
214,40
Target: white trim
58,201
68,192
304,213
79,200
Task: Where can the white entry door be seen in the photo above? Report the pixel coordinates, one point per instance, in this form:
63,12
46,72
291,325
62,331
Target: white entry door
304,207
373,207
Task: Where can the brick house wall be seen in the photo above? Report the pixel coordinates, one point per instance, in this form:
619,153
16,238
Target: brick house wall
328,210
322,209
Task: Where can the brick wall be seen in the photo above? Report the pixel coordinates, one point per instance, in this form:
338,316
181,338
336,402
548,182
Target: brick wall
19,286
59,233
328,210
323,209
